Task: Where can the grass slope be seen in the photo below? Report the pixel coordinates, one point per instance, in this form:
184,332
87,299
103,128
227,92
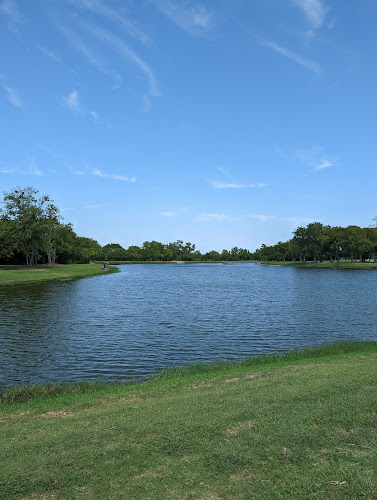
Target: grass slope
299,426
21,275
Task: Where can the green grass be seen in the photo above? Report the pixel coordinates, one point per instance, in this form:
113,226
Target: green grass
299,425
21,275
325,264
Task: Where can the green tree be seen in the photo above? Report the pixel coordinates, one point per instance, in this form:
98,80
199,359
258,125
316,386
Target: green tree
33,218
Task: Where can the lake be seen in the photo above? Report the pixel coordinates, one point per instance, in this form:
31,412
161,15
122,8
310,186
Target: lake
129,324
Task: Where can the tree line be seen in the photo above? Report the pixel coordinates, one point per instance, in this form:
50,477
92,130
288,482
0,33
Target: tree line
176,251
318,242
32,232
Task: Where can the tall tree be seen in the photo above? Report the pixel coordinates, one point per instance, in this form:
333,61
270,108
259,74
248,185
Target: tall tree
33,218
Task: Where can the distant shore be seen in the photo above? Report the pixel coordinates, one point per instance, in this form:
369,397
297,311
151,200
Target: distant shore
325,264
21,275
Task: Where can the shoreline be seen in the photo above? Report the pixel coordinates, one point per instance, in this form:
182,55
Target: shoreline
298,428
21,275
21,393
321,265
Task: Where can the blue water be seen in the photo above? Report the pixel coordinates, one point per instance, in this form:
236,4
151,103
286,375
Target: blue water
129,324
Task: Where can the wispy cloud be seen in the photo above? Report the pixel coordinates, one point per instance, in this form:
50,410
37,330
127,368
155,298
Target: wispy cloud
306,63
99,205
232,185
313,10
99,173
262,218
98,7
216,217
126,53
168,214
9,9
77,172
48,53
315,158
89,54
193,20
224,172
72,103
13,97
33,170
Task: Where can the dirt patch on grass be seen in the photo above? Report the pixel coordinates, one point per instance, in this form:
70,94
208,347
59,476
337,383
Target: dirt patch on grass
57,414
242,426
230,380
41,496
200,386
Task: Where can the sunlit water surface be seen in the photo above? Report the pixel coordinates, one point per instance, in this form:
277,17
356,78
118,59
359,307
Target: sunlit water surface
146,317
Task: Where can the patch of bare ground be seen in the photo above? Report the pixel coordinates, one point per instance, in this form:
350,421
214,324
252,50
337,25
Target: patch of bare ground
57,414
242,426
156,472
230,380
200,386
41,496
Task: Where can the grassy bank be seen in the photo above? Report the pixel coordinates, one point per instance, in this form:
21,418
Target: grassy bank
325,264
21,275
301,425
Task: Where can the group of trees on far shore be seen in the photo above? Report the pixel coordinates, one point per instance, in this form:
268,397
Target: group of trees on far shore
156,251
318,242
32,232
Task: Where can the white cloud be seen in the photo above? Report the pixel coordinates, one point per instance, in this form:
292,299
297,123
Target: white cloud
33,170
48,53
194,21
99,173
232,185
130,28
77,172
169,214
313,10
85,207
147,103
216,217
306,63
125,52
89,54
262,218
324,163
72,103
9,9
13,97
315,158
97,206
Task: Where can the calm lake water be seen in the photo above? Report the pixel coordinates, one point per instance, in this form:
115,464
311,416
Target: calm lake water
129,324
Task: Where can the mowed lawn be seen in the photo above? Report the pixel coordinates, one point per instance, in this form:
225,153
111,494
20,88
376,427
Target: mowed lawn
19,275
298,429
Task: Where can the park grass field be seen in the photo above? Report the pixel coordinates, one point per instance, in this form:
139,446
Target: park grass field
300,425
21,275
325,264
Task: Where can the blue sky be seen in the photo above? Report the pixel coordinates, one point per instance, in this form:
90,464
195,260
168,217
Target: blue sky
221,122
